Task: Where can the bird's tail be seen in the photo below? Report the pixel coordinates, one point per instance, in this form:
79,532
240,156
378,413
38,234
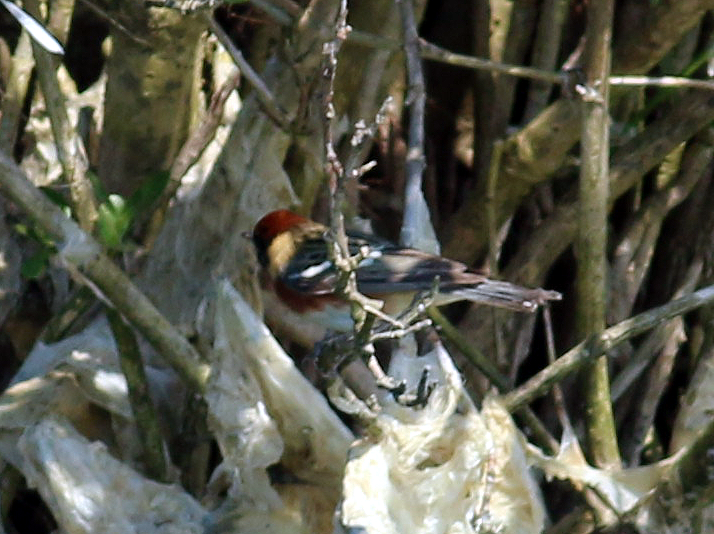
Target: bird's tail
503,295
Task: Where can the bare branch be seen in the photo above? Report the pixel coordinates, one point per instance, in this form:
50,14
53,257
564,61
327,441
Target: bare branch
600,344
545,52
591,242
417,230
437,53
147,422
266,98
70,149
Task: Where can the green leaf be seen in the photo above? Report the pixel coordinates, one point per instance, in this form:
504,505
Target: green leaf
114,220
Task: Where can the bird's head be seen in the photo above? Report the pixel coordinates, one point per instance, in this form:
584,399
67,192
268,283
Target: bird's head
278,235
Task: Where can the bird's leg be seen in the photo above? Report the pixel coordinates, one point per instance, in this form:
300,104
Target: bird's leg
422,394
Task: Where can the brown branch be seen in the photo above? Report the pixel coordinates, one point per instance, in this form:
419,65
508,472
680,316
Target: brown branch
597,345
694,111
535,152
545,52
266,98
147,422
70,149
591,241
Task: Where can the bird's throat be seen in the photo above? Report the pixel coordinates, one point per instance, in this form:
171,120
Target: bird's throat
281,251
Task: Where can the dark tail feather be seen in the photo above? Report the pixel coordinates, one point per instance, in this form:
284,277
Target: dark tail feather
506,295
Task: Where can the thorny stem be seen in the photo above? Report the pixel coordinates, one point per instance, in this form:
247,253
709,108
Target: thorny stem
335,170
365,311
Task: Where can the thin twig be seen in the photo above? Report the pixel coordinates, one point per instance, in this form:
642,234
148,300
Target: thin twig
147,422
335,169
434,52
494,244
266,98
363,310
472,353
600,344
437,53
204,132
491,211
558,397
551,18
101,13
540,434
70,149
661,81
15,92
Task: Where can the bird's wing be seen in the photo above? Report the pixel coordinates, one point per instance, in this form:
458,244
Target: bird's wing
386,269
310,270
393,269
389,269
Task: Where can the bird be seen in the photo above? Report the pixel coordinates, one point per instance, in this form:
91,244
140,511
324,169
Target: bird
295,267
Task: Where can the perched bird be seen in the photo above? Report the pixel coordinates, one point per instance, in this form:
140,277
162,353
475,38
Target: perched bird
292,253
